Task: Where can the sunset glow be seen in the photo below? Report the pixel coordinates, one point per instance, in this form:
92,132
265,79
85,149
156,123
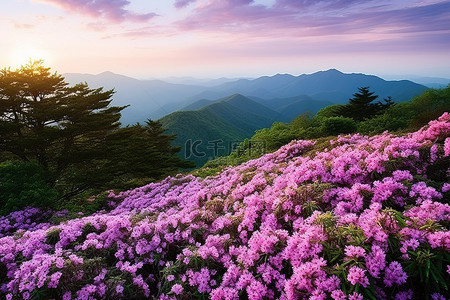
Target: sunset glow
203,38
26,53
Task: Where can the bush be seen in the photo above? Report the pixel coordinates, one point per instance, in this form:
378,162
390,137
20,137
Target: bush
24,184
430,105
339,125
382,123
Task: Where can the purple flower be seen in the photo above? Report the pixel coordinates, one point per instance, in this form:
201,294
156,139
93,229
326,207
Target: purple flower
354,251
241,230
394,274
119,289
177,289
357,275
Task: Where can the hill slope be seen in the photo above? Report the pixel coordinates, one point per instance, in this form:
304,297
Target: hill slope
293,106
355,221
225,122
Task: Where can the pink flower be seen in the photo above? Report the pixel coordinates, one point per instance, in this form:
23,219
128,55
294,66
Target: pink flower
119,289
357,275
447,147
355,296
354,251
177,289
338,295
394,274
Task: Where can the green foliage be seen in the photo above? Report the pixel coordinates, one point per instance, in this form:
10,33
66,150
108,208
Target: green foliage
131,156
328,111
339,125
401,117
275,137
429,106
74,134
425,268
23,184
302,121
85,203
44,120
409,116
396,118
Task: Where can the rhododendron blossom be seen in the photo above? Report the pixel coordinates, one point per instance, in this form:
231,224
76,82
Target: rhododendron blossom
346,222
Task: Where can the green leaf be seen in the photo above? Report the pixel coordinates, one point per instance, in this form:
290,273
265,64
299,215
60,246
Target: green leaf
370,292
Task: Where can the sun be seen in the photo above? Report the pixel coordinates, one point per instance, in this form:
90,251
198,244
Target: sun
26,53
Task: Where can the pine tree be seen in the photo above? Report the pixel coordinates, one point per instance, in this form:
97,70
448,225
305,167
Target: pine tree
74,133
42,119
139,153
388,102
361,106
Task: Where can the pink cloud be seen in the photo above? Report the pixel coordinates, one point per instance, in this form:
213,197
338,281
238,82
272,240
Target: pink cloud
226,15
304,18
112,10
183,3
323,4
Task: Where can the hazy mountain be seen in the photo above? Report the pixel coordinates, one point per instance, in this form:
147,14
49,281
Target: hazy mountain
432,82
288,108
331,85
155,98
198,104
198,81
147,98
225,121
291,107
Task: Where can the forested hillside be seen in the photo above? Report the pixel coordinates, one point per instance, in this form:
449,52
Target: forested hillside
365,113
217,126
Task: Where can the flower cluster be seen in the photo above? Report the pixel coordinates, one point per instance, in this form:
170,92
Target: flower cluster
366,217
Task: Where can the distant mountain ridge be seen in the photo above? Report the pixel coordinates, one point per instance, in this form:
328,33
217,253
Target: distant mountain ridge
156,98
147,98
331,85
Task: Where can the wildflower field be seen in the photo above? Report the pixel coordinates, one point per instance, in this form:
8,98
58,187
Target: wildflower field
354,218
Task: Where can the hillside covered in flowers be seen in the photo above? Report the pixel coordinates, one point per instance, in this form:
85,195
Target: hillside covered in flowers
355,218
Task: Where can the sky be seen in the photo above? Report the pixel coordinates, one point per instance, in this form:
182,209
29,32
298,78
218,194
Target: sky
228,38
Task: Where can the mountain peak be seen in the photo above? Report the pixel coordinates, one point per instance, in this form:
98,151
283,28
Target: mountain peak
333,71
282,75
236,95
106,73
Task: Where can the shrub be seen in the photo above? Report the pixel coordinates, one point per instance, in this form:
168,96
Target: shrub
339,125
24,184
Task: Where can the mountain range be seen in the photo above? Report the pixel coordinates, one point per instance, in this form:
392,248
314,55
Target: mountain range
156,98
209,120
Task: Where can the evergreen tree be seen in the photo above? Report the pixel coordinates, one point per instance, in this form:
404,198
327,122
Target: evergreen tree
74,133
388,102
140,154
42,119
361,106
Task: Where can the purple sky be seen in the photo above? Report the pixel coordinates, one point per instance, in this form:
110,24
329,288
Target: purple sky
206,38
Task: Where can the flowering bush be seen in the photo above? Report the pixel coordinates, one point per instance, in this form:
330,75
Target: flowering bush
366,218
